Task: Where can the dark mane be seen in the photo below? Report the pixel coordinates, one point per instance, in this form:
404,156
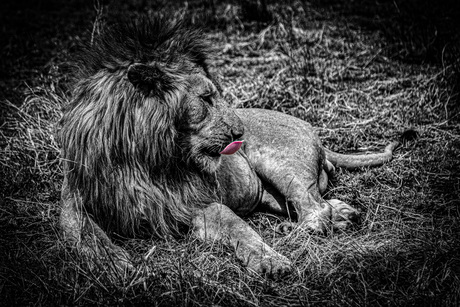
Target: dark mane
144,40
120,147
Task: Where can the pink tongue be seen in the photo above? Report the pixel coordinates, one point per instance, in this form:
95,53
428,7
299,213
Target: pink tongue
232,148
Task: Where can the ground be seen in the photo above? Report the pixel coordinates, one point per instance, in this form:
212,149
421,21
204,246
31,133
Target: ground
361,72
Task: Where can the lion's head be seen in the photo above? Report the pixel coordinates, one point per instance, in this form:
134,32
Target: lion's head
203,122
145,120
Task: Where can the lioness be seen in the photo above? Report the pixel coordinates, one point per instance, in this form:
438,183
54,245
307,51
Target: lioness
145,151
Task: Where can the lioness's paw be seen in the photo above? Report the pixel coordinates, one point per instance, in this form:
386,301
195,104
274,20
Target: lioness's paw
343,215
273,266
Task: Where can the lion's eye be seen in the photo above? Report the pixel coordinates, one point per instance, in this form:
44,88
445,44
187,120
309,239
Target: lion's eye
197,112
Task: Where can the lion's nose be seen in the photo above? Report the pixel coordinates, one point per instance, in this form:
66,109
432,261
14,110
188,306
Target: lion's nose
237,132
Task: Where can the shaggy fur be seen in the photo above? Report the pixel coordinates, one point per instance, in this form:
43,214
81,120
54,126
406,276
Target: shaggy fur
120,144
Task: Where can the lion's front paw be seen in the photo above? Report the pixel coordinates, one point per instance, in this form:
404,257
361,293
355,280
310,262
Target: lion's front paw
273,266
112,259
121,260
343,215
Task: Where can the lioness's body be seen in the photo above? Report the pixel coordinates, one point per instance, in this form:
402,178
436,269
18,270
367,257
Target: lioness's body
278,149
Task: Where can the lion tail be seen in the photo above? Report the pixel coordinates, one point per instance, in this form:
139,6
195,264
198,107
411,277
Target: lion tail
355,161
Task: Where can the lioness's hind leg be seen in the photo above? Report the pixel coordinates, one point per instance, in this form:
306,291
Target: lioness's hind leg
316,214
343,215
218,223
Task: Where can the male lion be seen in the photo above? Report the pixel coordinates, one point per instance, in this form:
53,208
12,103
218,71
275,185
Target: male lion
143,142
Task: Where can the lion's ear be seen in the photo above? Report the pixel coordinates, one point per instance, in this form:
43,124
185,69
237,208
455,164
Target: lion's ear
152,80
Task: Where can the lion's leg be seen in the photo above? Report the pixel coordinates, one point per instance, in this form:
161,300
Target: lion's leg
218,223
301,192
342,215
82,233
311,209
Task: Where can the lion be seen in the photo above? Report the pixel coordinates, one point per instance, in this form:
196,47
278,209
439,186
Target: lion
150,147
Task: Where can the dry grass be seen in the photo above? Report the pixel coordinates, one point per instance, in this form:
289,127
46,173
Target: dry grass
308,61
